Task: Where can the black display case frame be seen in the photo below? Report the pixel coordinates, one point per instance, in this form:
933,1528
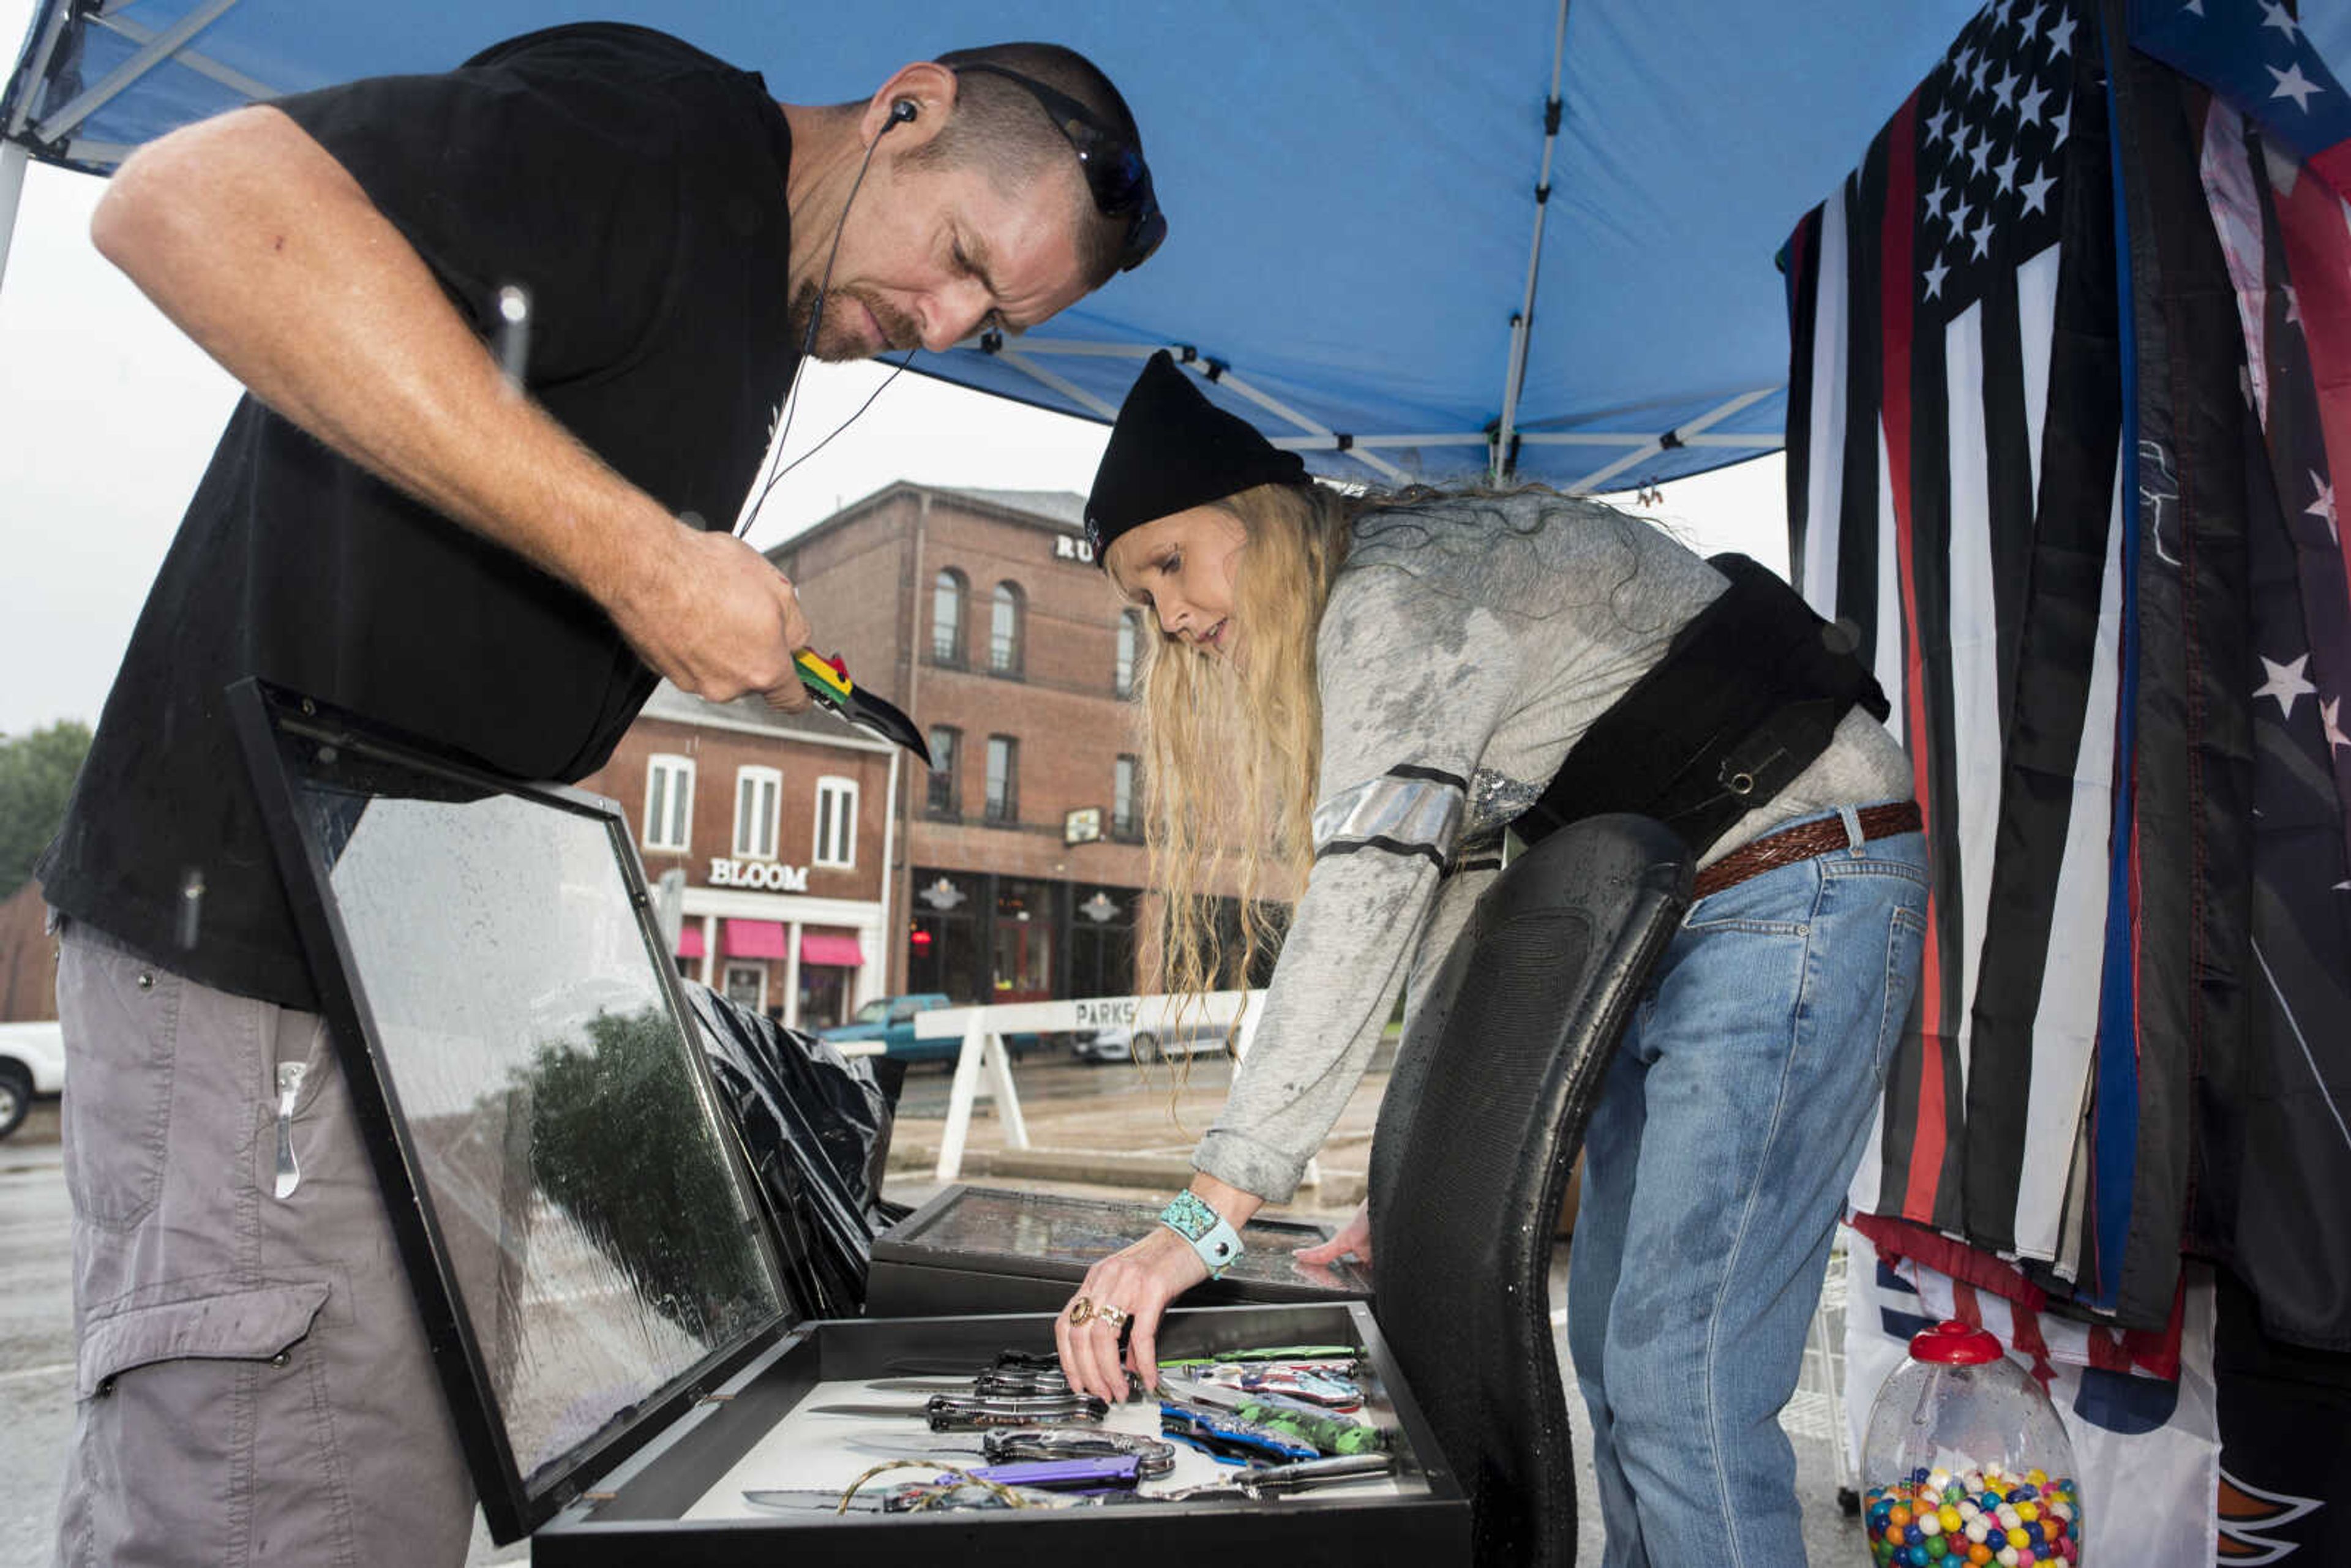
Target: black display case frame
616,1497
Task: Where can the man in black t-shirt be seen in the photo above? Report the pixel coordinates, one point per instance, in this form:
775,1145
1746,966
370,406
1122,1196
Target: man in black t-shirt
507,566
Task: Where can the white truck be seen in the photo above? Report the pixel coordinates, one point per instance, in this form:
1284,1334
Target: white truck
31,1064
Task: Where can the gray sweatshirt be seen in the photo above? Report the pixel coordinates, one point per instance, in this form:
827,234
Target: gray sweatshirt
1466,645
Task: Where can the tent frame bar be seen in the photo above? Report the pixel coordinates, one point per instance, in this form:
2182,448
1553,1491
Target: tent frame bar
1523,324
1318,437
237,81
1076,348
1687,436
153,53
1634,445
1071,389
1206,371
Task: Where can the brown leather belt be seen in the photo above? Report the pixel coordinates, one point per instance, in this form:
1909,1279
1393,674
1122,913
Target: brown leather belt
1803,843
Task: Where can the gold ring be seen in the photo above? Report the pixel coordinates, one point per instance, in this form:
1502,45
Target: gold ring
1116,1317
1081,1311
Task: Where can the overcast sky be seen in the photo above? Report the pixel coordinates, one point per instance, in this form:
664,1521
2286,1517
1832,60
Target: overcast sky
107,416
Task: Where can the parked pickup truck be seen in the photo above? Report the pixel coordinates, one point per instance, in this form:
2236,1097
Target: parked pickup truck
32,1062
891,1020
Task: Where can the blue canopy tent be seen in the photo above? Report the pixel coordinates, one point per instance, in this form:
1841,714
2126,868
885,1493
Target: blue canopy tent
1363,257
1360,254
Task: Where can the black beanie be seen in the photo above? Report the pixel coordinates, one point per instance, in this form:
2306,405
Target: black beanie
1171,450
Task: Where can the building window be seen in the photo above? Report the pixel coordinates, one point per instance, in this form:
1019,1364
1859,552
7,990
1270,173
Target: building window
1003,778
1130,650
748,984
946,799
1123,821
669,803
1004,631
758,791
836,823
947,618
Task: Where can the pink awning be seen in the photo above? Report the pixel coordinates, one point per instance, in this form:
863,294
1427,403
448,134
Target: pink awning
842,952
755,938
689,940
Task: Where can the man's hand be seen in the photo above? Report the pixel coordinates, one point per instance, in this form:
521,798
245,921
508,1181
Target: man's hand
1354,1237
717,620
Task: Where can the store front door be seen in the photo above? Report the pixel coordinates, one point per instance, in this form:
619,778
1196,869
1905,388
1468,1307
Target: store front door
824,996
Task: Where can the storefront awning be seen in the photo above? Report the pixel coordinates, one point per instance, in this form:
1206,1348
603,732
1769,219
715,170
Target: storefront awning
842,952
755,939
689,940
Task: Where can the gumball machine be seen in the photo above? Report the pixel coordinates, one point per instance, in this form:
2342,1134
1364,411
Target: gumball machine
1966,1462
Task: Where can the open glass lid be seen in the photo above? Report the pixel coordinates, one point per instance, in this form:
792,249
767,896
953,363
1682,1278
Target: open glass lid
1056,1236
572,1212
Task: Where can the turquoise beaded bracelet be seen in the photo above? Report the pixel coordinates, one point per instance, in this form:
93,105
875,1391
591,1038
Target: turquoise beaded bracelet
1189,1216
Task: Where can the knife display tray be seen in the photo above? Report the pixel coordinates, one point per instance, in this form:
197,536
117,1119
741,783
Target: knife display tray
986,1249
582,1231
678,1498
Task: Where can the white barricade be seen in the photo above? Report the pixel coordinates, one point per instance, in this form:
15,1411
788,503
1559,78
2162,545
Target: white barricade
983,1028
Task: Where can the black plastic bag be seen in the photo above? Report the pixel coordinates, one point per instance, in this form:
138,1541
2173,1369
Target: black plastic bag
816,1128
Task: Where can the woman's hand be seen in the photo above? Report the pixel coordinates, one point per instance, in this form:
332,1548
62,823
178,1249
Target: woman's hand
1123,1298
1354,1237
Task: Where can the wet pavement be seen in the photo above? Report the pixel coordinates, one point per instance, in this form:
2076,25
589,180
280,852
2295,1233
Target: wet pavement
35,1336
1103,1130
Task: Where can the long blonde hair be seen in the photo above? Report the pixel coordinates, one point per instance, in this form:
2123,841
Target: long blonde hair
1232,747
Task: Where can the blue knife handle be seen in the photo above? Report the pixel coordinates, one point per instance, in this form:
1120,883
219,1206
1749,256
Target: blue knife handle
1220,1429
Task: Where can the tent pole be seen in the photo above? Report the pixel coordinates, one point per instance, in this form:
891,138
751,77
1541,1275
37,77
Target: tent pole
1522,325
14,156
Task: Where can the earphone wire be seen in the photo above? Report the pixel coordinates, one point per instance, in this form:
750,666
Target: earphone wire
791,405
845,424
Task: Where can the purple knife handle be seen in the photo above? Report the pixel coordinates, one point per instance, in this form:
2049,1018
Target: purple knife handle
1119,1470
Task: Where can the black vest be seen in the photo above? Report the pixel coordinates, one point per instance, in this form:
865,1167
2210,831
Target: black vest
1749,694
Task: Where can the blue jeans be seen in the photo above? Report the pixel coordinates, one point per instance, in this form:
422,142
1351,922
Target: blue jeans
1715,1168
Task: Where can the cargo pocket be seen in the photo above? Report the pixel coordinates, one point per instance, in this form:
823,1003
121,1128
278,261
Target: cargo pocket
259,1324
204,1435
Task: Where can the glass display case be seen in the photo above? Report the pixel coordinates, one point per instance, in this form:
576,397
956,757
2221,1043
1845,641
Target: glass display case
973,1248
579,1225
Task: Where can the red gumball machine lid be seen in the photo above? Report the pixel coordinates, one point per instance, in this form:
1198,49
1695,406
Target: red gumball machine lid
1955,1345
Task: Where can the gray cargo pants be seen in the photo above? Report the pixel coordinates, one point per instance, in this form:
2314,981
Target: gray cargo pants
252,1382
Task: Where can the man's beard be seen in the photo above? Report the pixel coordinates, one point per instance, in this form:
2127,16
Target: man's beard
841,334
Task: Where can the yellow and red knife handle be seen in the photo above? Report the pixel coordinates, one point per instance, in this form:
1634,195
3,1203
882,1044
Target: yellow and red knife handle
825,677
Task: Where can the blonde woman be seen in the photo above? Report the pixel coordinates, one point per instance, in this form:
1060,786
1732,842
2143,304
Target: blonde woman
1363,694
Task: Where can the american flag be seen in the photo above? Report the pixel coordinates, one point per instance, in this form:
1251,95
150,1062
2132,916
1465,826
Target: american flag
1954,453
2066,392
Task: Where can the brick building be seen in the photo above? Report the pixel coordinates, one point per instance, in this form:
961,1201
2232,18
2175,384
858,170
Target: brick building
980,614
782,825
1014,871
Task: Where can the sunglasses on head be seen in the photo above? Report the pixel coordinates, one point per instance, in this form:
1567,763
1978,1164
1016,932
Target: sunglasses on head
1115,174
